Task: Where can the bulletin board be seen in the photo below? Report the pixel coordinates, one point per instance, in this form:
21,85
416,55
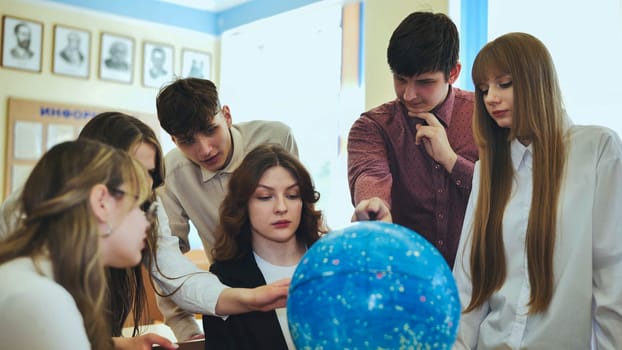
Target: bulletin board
36,126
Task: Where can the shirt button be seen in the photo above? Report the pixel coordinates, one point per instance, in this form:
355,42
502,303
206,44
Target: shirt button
440,190
440,216
440,242
458,182
437,166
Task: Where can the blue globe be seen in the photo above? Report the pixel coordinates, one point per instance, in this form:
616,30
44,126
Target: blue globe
373,285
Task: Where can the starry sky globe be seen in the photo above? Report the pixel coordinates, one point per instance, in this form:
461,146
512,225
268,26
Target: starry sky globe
373,285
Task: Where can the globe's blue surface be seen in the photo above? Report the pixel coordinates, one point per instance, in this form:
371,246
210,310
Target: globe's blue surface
373,285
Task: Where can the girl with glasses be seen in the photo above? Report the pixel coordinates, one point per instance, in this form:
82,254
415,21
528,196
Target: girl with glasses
76,220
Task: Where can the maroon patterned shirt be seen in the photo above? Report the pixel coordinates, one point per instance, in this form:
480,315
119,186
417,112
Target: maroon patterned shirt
383,161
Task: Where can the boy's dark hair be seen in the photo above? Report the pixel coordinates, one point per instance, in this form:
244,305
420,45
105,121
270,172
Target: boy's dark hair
423,42
187,106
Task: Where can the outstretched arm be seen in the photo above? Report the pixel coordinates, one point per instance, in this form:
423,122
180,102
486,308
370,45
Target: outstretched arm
199,291
263,298
369,173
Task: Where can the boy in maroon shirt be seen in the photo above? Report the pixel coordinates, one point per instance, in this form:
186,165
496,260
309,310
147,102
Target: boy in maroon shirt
417,153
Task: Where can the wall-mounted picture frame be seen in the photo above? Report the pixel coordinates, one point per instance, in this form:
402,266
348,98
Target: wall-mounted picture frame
116,58
157,64
22,42
72,49
196,64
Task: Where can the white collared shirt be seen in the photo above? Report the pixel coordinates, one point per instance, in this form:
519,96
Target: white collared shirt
587,297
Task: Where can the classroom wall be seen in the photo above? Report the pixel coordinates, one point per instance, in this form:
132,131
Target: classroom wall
92,91
381,17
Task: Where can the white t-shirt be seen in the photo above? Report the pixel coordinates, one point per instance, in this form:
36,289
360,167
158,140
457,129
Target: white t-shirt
273,273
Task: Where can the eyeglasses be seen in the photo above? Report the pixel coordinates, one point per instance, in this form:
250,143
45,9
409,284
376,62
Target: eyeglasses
149,207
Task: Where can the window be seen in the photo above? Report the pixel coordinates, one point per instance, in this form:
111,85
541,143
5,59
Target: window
585,40
287,68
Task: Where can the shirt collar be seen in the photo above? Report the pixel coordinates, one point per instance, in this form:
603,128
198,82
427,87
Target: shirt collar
445,110
236,159
521,155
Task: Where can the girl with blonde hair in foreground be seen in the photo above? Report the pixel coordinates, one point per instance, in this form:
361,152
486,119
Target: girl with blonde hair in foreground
85,207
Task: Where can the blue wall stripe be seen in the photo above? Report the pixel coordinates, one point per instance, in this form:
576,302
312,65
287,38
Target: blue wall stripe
203,21
474,35
153,11
254,10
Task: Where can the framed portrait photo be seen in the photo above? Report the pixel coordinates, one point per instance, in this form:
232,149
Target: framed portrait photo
22,41
116,58
196,64
157,64
72,48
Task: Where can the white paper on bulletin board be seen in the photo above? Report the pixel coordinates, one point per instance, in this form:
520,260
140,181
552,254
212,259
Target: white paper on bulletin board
20,174
28,140
35,126
58,133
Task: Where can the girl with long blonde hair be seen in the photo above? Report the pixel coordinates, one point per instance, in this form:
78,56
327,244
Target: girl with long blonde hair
85,206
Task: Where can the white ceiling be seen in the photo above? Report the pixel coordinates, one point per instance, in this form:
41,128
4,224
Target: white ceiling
208,5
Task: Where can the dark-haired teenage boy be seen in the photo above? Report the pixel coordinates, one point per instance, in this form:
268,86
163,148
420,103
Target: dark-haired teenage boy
417,152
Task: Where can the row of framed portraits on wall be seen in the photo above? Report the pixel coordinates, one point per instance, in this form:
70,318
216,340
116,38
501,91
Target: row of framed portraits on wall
22,43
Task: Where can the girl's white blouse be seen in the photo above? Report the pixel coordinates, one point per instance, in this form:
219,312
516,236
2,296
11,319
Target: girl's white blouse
587,299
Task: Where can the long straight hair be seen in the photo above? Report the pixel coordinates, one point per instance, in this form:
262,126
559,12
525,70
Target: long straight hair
59,225
538,117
